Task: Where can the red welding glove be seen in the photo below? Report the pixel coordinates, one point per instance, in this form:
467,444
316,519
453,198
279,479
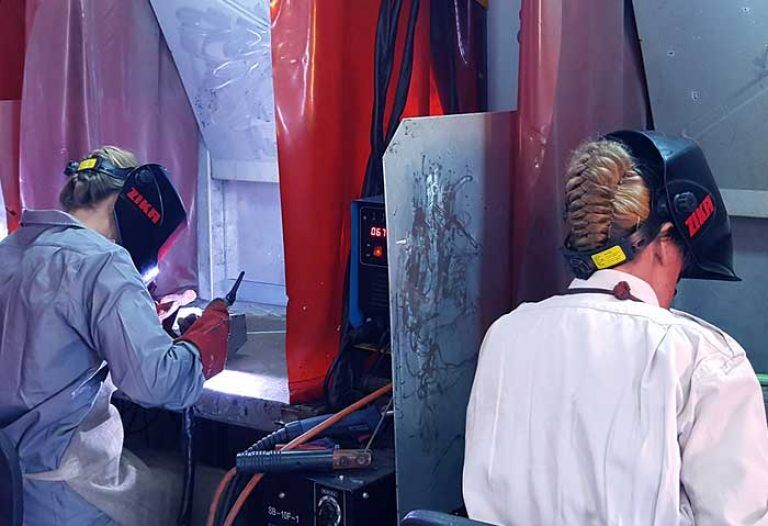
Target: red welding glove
209,334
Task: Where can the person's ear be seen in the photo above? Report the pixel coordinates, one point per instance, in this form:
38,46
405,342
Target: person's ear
666,231
666,250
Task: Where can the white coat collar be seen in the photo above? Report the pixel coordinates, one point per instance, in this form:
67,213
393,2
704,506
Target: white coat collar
608,279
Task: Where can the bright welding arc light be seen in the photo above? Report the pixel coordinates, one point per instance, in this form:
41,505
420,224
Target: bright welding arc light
150,275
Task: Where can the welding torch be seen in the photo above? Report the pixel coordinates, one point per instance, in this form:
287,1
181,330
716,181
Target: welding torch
188,425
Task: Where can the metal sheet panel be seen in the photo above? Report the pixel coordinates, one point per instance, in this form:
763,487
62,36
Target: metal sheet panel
706,64
447,185
239,227
253,240
222,49
737,308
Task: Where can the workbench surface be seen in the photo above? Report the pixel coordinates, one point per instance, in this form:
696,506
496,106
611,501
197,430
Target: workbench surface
253,389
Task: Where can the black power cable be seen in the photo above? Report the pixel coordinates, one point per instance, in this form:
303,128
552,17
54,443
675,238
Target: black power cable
340,381
404,81
386,40
188,489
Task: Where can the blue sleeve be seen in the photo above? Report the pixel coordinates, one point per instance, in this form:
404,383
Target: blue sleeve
144,361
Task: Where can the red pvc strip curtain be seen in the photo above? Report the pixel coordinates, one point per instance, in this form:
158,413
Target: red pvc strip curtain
12,68
323,74
580,76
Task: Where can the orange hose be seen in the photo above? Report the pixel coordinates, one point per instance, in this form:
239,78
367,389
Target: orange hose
228,476
306,437
240,502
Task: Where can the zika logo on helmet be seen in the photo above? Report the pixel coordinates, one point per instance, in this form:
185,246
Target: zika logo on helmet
145,206
701,215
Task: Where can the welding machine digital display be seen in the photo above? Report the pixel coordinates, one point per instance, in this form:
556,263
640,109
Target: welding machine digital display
369,282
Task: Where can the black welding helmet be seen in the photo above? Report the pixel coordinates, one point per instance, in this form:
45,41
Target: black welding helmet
683,192
148,211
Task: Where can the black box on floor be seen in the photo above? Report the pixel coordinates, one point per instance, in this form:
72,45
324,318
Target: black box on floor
339,498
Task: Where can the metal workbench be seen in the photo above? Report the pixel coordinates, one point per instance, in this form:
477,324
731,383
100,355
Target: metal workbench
252,391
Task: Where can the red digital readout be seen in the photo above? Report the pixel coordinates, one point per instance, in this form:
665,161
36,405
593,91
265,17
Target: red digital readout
378,232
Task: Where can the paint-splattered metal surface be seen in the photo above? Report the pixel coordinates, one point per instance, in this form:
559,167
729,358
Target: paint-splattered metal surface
447,182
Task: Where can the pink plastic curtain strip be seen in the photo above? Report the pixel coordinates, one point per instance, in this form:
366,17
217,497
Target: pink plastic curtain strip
100,73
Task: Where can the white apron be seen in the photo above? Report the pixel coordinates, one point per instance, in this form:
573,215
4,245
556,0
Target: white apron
111,478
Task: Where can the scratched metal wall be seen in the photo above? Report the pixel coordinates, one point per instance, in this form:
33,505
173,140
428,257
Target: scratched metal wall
706,64
707,68
448,198
222,49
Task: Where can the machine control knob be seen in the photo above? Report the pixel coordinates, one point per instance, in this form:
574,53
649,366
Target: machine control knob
328,512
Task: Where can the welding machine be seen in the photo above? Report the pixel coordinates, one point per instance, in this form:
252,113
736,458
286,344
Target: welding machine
368,279
354,498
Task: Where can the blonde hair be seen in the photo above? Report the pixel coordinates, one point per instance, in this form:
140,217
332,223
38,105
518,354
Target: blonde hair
86,189
119,157
606,198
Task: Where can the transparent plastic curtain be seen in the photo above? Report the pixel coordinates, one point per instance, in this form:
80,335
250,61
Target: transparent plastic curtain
10,200
11,74
98,72
580,76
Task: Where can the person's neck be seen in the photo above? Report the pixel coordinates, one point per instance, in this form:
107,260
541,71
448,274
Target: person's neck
96,219
662,285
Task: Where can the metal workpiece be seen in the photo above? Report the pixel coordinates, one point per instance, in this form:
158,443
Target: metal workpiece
447,189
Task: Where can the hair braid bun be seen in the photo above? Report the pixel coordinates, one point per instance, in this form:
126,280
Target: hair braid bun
605,196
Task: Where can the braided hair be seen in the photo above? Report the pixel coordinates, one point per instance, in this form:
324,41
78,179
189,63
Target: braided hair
606,198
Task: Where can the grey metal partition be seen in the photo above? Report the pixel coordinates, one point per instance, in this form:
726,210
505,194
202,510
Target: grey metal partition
447,183
222,49
706,64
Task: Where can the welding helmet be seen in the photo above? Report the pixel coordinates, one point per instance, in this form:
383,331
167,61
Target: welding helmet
148,210
684,193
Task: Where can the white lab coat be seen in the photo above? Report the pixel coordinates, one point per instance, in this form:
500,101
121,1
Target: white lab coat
587,409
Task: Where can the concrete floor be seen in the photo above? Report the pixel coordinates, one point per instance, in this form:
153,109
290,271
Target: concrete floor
251,393
169,466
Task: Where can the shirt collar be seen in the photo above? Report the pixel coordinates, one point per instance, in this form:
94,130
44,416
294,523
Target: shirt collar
49,218
608,279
